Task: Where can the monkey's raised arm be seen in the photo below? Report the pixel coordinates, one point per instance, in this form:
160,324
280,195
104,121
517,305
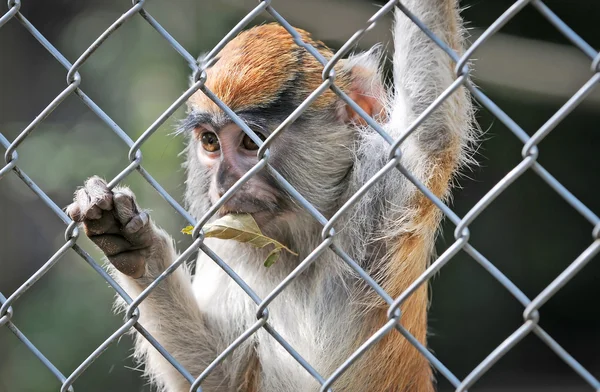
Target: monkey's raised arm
422,72
404,222
434,151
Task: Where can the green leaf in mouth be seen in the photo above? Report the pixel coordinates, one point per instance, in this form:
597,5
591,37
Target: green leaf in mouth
242,228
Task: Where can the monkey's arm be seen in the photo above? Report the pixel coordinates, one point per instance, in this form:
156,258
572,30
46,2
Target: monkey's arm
404,222
139,252
433,151
422,72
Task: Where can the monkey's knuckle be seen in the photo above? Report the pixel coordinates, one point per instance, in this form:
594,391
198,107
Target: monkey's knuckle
125,200
81,195
95,181
125,191
123,204
121,197
94,212
104,201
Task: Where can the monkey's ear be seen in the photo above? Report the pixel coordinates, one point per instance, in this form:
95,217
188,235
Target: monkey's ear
366,86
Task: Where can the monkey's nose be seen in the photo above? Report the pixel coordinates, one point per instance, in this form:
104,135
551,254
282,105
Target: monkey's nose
225,180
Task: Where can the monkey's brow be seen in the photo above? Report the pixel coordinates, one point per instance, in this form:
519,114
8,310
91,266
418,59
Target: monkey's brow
197,118
217,122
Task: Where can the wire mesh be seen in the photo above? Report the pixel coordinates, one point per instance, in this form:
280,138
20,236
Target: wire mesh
530,153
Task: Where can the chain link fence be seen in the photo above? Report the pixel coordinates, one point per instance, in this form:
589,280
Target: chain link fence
529,162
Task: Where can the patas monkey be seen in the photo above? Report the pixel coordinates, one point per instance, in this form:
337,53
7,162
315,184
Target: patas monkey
327,154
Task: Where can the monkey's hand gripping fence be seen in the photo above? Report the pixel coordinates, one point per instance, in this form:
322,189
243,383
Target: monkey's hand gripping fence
530,152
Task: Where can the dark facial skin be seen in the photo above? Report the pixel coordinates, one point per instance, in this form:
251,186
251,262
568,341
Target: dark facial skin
228,153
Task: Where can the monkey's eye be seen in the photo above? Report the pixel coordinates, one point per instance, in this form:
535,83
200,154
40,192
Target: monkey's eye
210,142
249,144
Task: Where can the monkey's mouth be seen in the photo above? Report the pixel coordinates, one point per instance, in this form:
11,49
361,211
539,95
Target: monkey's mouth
261,217
262,210
229,211
247,208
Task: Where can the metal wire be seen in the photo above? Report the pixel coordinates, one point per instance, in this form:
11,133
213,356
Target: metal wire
530,153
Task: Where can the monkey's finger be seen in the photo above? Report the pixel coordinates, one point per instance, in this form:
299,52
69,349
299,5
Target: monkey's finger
74,212
124,205
130,263
137,223
106,224
111,244
87,208
99,193
139,231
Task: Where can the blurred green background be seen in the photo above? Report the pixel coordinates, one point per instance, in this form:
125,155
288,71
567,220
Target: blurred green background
529,69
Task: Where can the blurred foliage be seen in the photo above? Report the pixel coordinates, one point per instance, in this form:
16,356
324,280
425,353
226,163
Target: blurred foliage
529,233
133,77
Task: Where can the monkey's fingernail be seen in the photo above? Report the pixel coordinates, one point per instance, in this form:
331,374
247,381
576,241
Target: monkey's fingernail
137,223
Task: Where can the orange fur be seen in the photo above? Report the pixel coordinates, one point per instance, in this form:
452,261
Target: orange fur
393,364
403,368
261,62
251,377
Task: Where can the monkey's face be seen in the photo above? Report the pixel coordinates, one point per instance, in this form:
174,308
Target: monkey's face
227,153
263,76
313,155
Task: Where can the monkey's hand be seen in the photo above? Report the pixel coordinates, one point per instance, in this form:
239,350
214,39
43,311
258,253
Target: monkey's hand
115,223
